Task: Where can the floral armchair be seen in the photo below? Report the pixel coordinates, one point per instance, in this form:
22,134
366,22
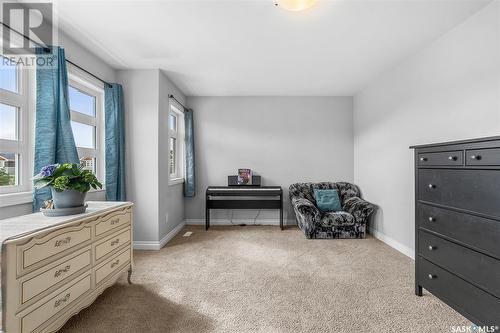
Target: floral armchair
348,223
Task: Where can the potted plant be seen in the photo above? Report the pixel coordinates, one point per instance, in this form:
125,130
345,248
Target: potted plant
69,183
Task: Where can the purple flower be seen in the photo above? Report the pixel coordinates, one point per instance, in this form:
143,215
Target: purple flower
48,170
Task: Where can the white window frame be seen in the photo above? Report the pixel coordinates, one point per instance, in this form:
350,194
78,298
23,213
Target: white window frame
24,101
89,85
176,110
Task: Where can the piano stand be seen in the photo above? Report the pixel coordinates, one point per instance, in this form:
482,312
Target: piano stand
214,199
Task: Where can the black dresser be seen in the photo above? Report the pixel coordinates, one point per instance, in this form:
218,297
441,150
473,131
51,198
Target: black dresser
457,226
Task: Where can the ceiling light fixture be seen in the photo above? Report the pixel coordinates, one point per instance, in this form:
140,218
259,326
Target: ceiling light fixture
295,5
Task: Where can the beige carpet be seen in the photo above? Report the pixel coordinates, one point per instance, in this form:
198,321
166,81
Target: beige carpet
261,279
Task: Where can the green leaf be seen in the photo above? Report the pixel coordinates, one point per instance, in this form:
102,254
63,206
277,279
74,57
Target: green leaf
41,183
58,172
69,176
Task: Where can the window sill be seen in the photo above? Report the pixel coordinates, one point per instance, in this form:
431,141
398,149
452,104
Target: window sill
99,193
18,198
175,181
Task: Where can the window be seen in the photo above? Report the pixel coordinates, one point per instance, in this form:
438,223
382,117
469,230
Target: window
15,130
86,102
17,104
176,144
9,80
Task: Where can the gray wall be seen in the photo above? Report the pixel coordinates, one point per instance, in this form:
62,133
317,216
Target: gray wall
171,197
283,139
449,90
159,207
140,92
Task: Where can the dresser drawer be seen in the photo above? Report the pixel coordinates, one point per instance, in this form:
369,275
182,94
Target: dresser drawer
112,221
477,268
480,233
111,266
52,244
475,304
112,243
488,156
472,190
43,312
454,157
48,278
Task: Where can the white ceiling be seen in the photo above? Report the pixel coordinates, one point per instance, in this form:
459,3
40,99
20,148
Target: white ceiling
251,48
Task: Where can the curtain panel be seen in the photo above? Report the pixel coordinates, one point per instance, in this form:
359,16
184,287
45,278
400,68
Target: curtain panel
114,142
54,141
189,182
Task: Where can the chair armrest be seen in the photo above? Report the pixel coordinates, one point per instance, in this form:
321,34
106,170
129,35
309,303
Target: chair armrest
305,206
359,208
308,215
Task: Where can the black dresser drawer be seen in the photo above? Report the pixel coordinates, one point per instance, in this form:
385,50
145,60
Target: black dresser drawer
487,156
457,226
471,190
479,306
477,268
477,232
454,157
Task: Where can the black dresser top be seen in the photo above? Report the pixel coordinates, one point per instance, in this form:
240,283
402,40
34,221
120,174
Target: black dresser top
490,138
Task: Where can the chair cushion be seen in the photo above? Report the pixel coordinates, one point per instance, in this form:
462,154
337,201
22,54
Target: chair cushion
327,200
341,218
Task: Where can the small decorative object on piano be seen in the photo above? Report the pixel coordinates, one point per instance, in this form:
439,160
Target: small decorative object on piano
244,177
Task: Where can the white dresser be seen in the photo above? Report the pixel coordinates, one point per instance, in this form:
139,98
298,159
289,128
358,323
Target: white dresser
53,267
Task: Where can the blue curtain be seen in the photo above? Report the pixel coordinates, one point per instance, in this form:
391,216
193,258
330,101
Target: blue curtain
189,183
114,142
54,142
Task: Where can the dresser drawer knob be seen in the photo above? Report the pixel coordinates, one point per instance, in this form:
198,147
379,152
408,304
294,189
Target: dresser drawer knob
431,219
61,271
452,158
113,264
476,157
423,159
63,241
431,277
431,248
431,186
115,221
62,300
116,241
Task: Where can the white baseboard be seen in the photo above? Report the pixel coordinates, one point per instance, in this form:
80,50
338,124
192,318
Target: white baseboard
172,234
409,252
152,245
146,245
240,221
